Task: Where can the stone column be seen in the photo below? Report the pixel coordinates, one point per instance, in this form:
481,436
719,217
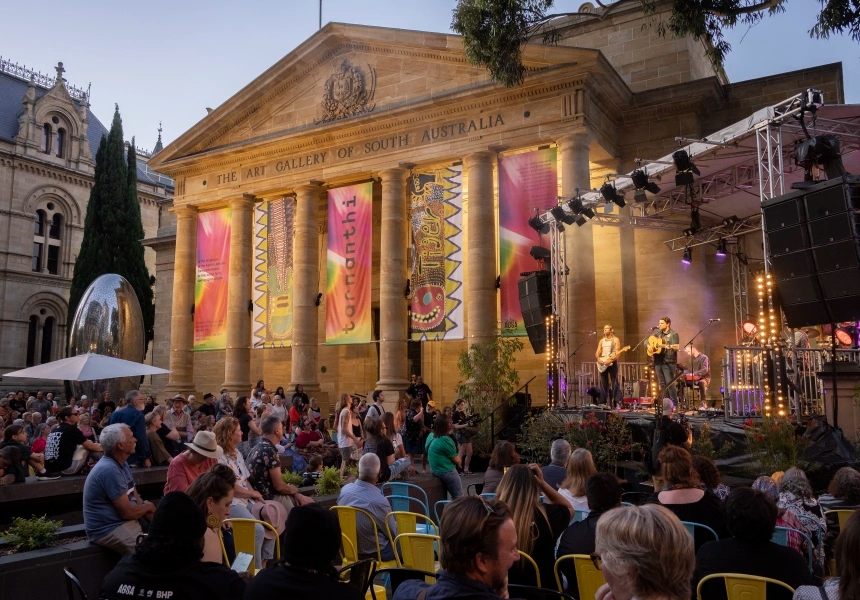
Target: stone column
40,331
482,271
393,306
181,378
237,359
579,241
306,284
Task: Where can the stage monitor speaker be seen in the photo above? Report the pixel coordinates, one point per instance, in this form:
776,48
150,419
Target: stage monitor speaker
814,248
535,292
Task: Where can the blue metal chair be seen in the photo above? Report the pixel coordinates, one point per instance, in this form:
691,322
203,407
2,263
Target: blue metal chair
691,527
401,488
438,508
780,536
579,515
489,495
808,521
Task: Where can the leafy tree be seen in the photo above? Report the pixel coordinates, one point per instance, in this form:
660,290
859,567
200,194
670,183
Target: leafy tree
494,31
113,227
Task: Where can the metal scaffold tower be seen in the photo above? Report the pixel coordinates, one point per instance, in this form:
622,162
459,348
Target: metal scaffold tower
557,322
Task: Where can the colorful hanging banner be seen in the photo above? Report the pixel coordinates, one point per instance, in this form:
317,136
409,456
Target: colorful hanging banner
349,261
273,273
526,181
436,311
213,274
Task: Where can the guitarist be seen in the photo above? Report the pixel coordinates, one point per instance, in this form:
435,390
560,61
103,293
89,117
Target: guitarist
608,348
666,360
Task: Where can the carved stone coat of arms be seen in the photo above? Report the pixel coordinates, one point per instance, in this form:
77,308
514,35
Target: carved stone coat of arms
348,93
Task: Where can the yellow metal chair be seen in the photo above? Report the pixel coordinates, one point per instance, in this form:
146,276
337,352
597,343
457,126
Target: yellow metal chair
841,514
588,577
528,559
347,516
408,522
243,537
416,551
350,554
743,587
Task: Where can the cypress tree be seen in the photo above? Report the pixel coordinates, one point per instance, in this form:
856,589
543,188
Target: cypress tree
113,227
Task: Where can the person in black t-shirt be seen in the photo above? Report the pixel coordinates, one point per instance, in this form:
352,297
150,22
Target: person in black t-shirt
64,441
166,563
421,391
105,402
208,407
669,433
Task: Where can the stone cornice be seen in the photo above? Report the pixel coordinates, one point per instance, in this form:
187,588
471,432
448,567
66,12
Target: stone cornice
36,279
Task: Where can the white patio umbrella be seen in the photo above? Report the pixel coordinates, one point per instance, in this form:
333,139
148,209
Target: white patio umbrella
87,367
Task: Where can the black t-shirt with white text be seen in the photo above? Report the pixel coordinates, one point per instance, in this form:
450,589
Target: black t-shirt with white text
131,579
60,447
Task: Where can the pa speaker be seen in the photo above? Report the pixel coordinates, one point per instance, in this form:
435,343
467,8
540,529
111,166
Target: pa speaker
535,291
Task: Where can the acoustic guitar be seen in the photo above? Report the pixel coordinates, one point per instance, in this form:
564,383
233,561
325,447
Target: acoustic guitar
612,358
656,345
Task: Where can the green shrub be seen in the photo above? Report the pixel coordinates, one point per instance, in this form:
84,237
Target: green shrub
32,534
775,445
292,478
329,482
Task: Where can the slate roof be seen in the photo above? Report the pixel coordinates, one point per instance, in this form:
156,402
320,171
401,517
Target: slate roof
12,92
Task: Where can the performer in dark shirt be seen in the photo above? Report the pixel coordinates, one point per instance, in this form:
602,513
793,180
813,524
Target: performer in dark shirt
666,357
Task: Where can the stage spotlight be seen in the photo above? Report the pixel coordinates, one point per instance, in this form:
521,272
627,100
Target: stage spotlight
721,248
844,336
688,256
610,194
581,220
684,167
539,253
689,232
821,150
749,328
561,215
578,208
729,221
640,181
539,226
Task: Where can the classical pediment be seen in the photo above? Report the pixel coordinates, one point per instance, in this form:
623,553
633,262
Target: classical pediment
346,72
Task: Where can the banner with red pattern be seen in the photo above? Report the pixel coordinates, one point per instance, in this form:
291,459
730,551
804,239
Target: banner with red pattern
213,274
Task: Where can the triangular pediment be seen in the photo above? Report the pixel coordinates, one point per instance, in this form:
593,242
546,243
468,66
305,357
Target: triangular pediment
345,72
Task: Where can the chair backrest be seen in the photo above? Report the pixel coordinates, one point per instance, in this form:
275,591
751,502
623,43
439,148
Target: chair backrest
527,592
416,551
526,559
350,554
398,575
401,488
691,527
348,518
438,508
780,536
400,503
488,495
635,498
479,487
841,514
359,574
74,584
588,577
410,522
243,536
743,587
579,515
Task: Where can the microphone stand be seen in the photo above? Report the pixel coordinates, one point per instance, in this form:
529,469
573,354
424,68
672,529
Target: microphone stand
578,378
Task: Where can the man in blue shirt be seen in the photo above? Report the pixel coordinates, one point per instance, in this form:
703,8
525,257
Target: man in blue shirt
556,472
365,495
112,505
132,415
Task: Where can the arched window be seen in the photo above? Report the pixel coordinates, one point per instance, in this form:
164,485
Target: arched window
47,339
31,340
41,217
47,138
59,142
56,226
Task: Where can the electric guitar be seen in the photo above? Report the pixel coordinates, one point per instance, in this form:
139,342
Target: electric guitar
656,345
612,358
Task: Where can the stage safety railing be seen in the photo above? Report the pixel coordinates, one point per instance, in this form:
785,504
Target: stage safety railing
633,376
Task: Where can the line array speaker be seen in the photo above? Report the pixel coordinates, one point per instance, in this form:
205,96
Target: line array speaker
535,291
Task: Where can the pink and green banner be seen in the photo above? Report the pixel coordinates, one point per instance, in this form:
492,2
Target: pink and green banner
273,273
213,274
527,181
349,263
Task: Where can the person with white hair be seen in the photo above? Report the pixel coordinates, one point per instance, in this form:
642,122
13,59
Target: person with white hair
364,494
669,432
556,471
112,505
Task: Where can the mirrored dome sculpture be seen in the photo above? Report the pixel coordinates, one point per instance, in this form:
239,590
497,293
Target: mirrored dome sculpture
108,321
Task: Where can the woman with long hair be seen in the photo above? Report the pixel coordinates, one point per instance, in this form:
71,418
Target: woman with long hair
580,466
394,436
346,439
86,427
377,442
441,453
400,408
538,525
228,435
464,428
504,455
414,430
846,584
709,475
242,413
213,493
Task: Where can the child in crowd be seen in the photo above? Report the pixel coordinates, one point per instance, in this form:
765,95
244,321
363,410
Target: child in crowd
314,471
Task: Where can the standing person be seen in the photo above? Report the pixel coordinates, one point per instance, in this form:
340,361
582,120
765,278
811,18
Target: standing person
464,427
61,456
346,441
39,404
401,407
376,410
666,359
199,457
421,391
132,415
700,367
442,455
414,438
608,349
112,505
106,402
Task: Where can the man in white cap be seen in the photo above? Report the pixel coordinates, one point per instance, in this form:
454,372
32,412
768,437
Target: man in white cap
197,459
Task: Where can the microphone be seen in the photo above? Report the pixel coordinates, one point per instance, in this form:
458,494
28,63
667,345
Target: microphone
712,320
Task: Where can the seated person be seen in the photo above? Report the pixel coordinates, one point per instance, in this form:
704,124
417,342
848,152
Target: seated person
556,471
160,455
377,442
264,464
170,438
843,493
10,456
314,471
504,455
112,505
199,457
603,491
478,546
751,518
14,435
42,433
168,561
62,455
683,495
364,494
846,583
312,542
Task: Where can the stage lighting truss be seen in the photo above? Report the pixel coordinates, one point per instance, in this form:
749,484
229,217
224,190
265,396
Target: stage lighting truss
712,235
610,194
